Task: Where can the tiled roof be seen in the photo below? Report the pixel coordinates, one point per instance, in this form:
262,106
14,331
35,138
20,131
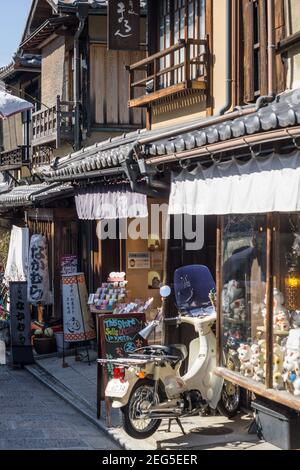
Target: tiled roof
27,195
109,154
284,112
95,2
100,158
19,63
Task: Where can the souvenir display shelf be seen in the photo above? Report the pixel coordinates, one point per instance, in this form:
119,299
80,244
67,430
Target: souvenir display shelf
258,304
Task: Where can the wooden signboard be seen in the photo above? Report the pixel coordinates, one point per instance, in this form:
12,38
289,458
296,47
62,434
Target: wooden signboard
20,324
118,335
124,25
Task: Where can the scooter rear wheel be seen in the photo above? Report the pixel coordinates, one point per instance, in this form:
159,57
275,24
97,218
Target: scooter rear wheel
140,398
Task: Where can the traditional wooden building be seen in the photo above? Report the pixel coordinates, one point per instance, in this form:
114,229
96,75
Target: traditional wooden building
80,92
217,84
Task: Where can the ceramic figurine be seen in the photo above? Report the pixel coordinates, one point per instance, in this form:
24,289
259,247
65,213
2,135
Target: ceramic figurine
297,387
257,361
281,321
291,371
280,315
263,350
278,357
295,318
244,355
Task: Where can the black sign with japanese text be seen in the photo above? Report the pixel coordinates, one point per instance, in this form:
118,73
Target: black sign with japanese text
20,324
124,24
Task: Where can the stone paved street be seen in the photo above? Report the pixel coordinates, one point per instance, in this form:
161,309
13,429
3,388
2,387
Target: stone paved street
33,417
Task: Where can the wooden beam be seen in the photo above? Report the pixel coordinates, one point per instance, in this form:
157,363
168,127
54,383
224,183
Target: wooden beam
220,220
248,51
263,56
171,90
282,397
291,41
269,303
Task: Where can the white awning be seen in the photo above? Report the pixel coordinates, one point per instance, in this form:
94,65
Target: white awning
10,105
263,184
110,202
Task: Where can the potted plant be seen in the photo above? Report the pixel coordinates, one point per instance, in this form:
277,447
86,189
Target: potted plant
44,341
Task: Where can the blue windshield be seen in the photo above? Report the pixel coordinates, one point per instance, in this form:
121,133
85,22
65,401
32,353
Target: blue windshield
192,285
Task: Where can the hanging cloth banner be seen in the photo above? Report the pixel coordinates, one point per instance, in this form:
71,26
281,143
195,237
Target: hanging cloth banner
17,261
38,273
261,185
20,324
78,321
110,203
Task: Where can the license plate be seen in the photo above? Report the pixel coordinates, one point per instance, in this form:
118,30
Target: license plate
116,389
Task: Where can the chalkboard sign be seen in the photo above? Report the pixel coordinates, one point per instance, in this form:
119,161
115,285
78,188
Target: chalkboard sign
20,324
118,335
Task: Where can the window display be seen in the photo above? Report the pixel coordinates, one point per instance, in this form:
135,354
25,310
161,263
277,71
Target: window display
286,255
244,299
243,294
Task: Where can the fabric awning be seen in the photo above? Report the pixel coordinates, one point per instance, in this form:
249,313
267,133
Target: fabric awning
263,184
10,105
110,202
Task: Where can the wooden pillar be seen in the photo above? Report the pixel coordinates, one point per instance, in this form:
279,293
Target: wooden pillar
269,313
220,220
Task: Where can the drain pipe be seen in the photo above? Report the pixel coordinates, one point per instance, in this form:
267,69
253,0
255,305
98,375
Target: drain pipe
228,80
81,14
271,57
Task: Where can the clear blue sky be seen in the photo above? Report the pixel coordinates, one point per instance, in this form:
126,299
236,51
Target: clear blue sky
13,14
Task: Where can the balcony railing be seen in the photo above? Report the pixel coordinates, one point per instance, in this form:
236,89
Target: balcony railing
178,68
13,159
53,124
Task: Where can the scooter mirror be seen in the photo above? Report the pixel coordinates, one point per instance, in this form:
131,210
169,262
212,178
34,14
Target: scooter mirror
165,291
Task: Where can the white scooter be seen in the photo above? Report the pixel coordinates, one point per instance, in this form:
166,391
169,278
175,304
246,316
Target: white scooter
148,386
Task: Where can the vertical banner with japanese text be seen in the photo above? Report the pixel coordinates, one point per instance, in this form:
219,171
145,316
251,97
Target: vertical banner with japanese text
20,324
78,321
124,25
38,271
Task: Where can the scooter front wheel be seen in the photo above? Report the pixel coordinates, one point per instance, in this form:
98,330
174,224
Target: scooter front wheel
141,398
229,403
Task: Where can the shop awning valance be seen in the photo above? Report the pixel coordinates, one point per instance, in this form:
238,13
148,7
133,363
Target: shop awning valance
107,203
263,184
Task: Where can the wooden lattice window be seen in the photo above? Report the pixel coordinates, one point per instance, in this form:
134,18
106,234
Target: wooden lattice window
255,46
255,49
180,19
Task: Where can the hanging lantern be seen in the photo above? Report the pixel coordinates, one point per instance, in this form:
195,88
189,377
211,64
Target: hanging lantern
292,285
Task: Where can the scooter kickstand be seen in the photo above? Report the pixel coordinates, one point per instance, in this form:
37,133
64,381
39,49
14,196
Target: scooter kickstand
179,424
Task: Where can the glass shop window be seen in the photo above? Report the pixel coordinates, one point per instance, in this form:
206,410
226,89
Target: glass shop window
286,310
244,294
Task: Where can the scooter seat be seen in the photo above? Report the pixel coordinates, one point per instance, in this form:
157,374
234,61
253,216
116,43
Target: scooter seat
179,350
173,354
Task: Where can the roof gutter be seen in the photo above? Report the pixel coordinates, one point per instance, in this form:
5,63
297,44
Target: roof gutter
231,144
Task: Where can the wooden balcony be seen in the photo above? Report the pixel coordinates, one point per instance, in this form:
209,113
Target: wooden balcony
13,159
53,125
179,68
